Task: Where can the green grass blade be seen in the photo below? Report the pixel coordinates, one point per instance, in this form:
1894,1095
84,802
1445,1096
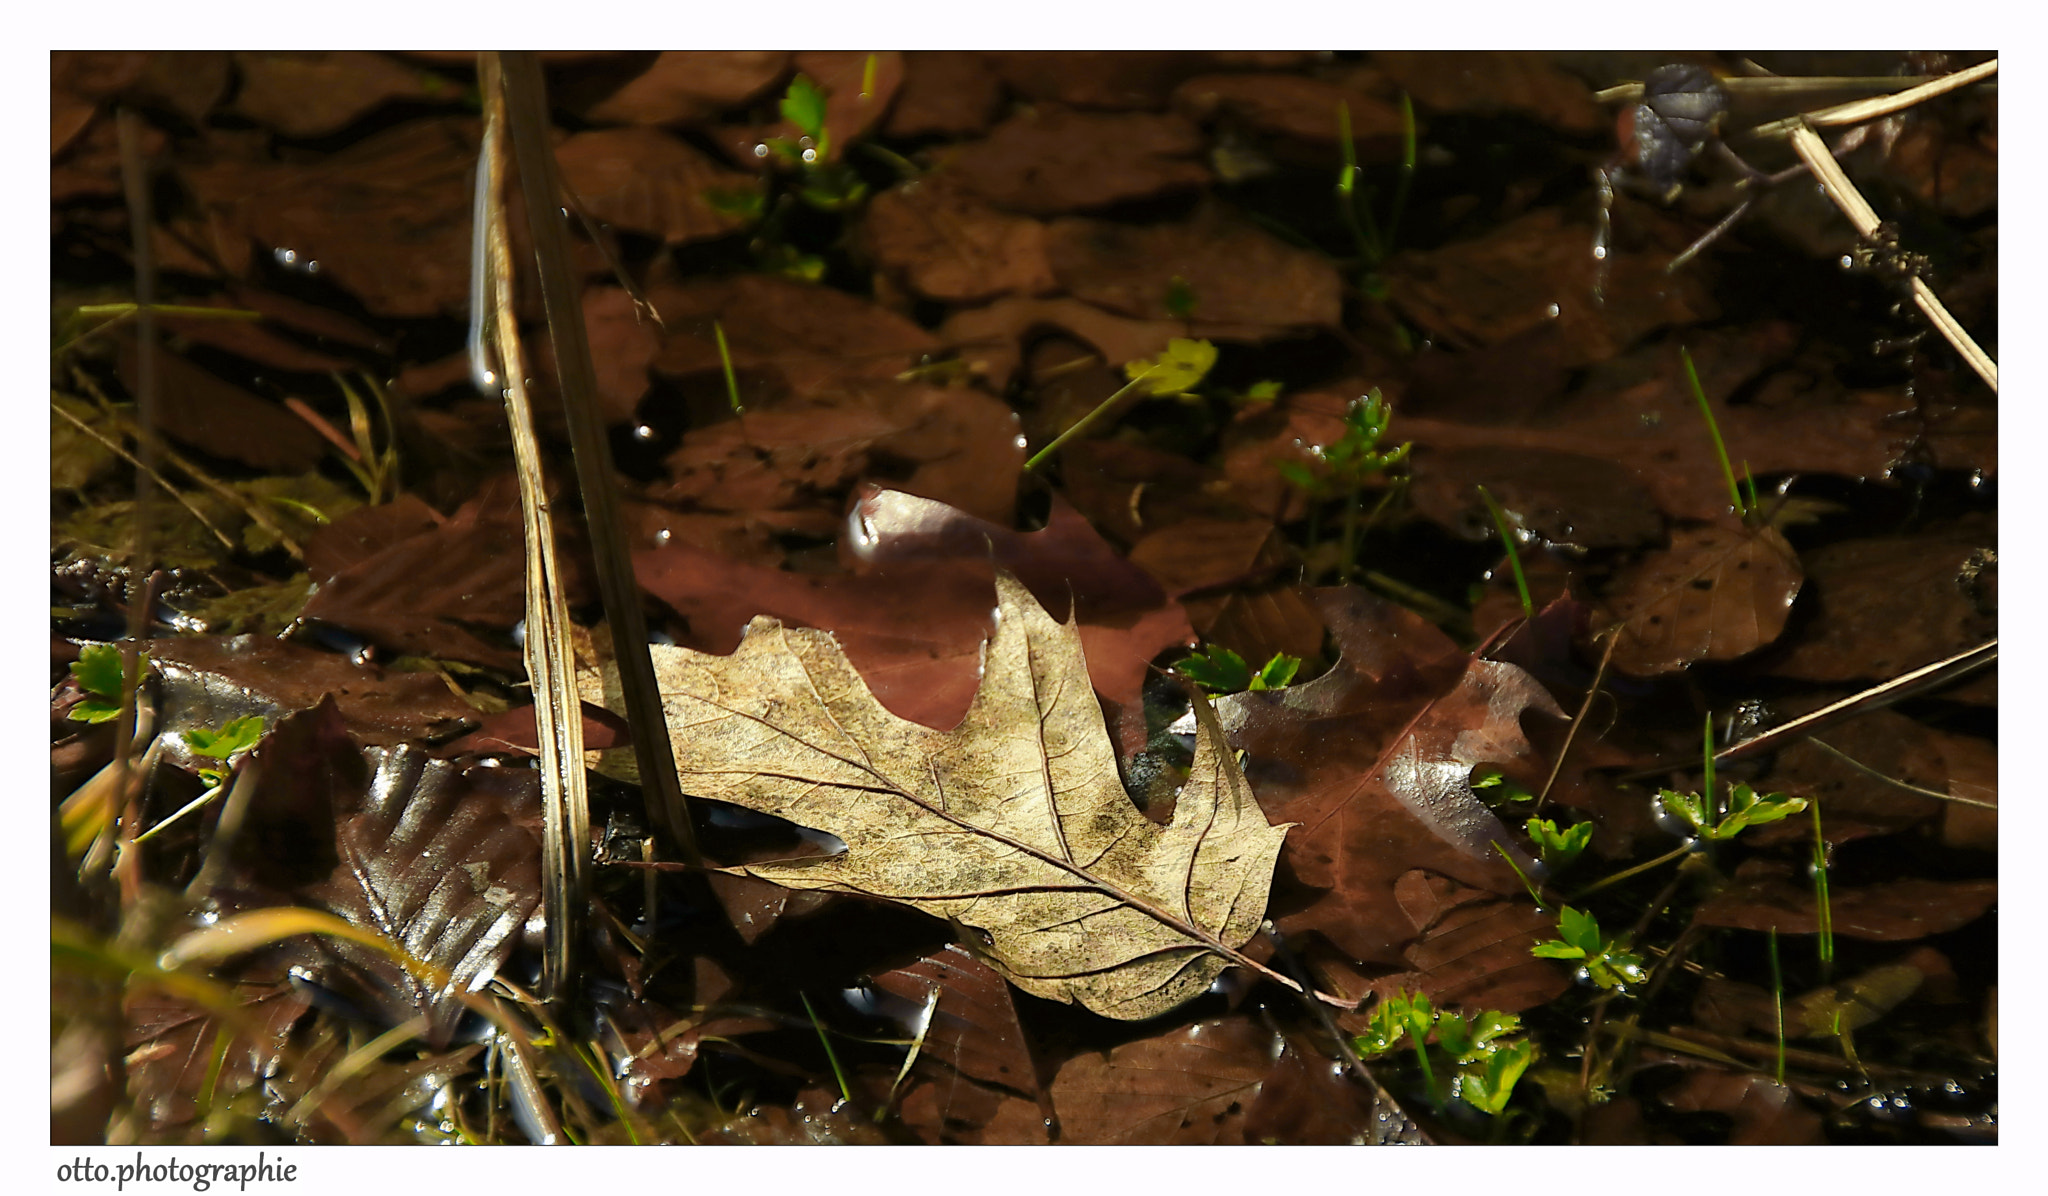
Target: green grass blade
1500,523
1699,394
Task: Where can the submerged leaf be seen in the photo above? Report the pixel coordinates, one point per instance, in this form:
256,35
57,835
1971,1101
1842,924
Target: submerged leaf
1013,823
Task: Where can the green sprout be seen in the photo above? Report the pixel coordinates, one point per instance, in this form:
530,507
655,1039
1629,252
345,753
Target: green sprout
99,674
1176,371
1559,849
1497,789
1263,391
1345,467
1486,1063
827,186
1601,959
230,740
1745,809
1180,298
1500,524
1220,671
1746,507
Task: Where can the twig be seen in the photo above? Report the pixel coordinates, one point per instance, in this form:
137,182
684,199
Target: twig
550,660
527,116
1814,152
147,472
1571,736
1871,109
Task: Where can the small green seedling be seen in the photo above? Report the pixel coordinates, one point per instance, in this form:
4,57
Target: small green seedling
1745,809
1601,958
1745,506
1496,789
236,737
1488,1087
1487,1063
1180,298
1263,391
99,674
827,186
1176,371
1221,671
1345,468
1559,849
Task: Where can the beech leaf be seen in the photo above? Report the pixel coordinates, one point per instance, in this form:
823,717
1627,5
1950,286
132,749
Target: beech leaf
1013,823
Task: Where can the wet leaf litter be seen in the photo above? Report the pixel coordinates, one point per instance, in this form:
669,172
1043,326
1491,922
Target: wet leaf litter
982,869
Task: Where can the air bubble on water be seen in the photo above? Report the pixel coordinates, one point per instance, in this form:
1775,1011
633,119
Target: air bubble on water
643,432
519,633
1022,442
312,267
286,257
661,537
810,155
1599,253
1552,311
1848,262
760,151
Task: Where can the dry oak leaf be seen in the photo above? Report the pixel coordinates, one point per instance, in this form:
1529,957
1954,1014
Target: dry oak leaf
1013,823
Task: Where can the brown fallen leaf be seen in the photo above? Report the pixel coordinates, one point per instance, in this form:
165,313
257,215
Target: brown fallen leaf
946,92
1013,823
1235,272
313,94
1717,593
1188,1087
947,243
1050,161
1765,1112
1896,911
649,182
1496,81
681,86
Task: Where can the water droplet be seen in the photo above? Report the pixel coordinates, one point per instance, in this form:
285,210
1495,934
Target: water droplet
643,432
312,267
662,537
286,257
1599,253
1848,262
810,155
1022,442
760,151
1551,311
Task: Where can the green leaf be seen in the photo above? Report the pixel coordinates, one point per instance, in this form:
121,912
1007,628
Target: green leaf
804,107
1180,298
1556,950
1454,1035
1688,807
1275,673
1217,669
99,670
1746,809
1489,1090
1263,391
1581,930
1496,789
1559,849
237,736
1178,369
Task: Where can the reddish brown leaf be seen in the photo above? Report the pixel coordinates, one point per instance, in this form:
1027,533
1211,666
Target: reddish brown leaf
1535,270
1892,604
1473,948
953,1110
1716,594
1190,1086
682,86
415,595
813,337
1564,498
443,861
221,418
946,243
387,218
312,94
1112,79
1236,273
1765,1112
1895,911
646,181
1296,108
973,1029
949,92
1048,161
1308,1100
209,681
991,339
1197,554
1495,81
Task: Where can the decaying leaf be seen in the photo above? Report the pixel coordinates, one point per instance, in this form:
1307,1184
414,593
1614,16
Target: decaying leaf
1013,823
1715,594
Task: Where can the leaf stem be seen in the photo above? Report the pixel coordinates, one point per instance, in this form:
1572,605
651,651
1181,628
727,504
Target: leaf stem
1085,422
